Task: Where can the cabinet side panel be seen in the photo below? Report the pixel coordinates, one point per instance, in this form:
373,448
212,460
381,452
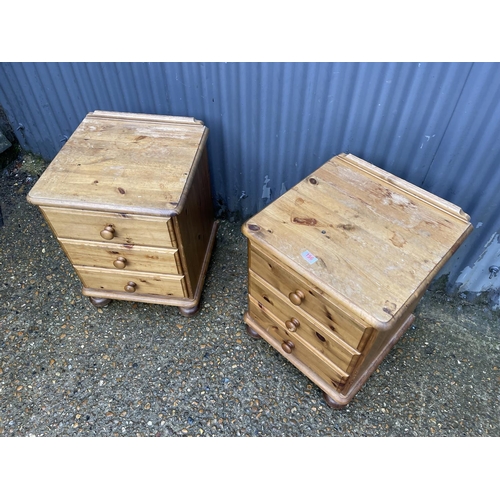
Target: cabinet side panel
193,226
377,348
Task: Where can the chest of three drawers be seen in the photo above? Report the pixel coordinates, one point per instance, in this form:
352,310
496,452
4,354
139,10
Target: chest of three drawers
128,198
337,266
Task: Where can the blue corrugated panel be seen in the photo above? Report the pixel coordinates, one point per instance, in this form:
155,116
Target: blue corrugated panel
466,171
271,124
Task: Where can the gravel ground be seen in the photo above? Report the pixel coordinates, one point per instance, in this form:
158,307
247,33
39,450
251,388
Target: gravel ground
133,369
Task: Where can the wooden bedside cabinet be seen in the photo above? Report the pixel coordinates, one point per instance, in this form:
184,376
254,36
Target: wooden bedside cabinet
128,198
337,266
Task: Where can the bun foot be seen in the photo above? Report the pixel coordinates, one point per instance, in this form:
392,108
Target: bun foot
331,402
98,302
189,311
252,333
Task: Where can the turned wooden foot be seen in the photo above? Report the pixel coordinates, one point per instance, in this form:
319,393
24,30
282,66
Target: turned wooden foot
331,402
189,311
252,333
99,302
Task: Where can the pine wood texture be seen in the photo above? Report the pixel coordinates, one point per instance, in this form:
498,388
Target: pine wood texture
130,163
345,326
146,283
338,264
308,328
128,229
194,225
113,255
128,197
301,350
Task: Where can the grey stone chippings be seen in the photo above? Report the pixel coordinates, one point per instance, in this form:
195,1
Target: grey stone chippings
133,369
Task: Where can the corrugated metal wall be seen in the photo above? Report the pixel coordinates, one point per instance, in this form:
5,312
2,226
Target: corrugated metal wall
434,124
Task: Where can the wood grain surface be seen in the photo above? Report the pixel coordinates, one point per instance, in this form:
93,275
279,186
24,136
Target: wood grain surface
125,163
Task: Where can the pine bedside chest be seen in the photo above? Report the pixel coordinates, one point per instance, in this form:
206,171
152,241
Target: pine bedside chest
337,266
128,198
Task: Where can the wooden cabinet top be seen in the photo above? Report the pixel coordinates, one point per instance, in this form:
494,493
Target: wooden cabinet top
366,238
124,162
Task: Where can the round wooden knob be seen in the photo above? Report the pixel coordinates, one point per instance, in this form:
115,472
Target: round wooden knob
296,297
120,262
288,346
292,324
108,233
130,287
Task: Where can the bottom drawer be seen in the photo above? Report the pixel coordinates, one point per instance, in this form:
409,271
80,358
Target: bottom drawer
293,346
143,283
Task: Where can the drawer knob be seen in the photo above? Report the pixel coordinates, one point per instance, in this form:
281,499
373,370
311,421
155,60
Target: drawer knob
296,297
288,346
120,263
292,324
108,233
130,287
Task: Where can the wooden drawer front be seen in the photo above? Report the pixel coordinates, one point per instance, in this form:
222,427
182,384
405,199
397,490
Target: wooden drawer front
333,348
128,229
313,302
301,351
137,258
157,284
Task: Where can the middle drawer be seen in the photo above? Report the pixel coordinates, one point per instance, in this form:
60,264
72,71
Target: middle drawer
116,256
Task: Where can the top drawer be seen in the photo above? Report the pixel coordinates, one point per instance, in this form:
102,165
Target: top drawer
126,229
309,299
